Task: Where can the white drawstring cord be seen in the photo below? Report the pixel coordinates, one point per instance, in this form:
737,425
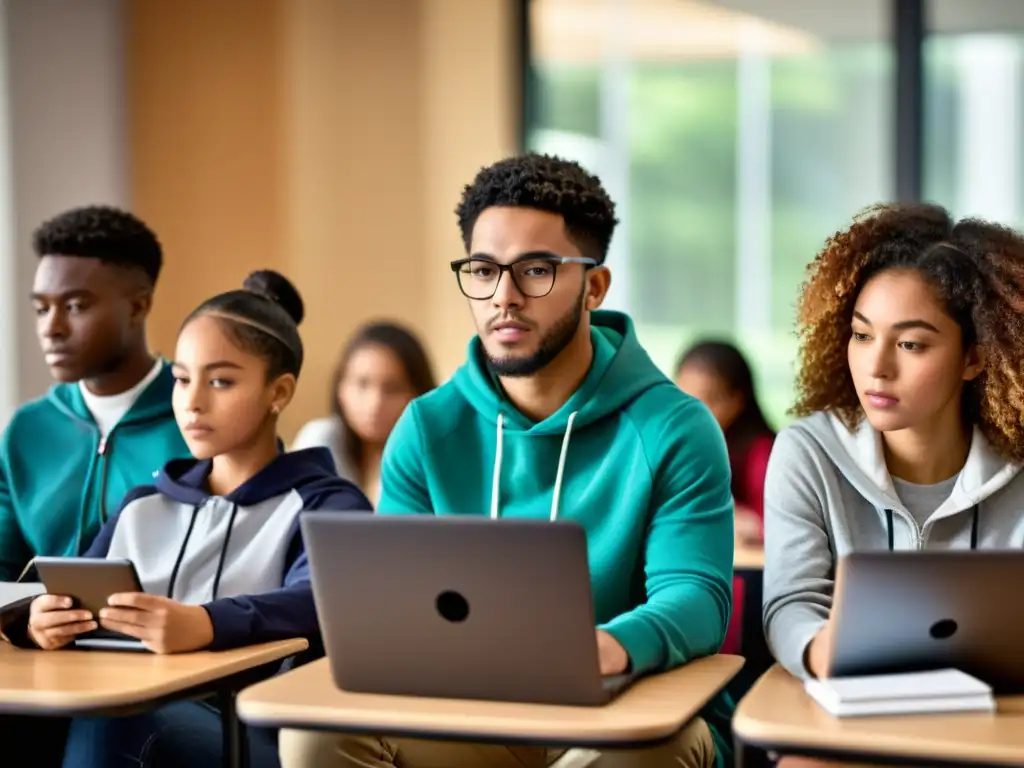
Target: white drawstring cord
496,482
559,474
561,467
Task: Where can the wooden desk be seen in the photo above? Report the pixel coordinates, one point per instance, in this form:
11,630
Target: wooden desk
747,558
652,710
777,715
73,682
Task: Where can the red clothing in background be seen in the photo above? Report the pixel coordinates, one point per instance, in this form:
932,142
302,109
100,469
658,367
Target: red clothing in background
749,466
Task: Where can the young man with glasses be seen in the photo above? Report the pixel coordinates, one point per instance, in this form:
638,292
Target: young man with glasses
559,413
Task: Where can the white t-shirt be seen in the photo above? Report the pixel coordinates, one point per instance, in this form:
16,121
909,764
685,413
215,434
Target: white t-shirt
107,410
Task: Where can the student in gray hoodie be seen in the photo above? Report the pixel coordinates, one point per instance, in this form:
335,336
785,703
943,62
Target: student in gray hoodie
912,393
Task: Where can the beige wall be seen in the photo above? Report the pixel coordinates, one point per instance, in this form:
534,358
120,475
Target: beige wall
329,139
205,141
470,112
62,138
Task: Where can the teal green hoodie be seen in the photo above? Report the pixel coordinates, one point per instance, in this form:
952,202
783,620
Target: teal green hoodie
58,482
639,464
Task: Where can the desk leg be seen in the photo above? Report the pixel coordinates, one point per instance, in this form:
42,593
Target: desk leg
235,744
750,757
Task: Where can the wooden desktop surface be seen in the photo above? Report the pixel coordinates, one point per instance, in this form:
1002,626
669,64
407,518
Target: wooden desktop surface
746,557
44,682
654,708
776,713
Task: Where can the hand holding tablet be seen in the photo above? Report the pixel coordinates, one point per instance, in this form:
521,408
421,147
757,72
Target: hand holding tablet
77,589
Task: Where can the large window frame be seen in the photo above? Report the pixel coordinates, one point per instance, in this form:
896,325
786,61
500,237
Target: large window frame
907,35
903,169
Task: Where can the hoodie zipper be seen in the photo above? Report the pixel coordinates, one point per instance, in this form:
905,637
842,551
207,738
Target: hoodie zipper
919,531
102,465
102,451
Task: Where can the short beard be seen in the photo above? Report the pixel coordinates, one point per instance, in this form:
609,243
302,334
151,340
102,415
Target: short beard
551,346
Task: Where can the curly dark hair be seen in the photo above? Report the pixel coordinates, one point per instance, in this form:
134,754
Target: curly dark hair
976,269
101,232
546,183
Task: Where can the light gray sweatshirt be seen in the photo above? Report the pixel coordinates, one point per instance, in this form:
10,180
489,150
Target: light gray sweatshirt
828,493
327,432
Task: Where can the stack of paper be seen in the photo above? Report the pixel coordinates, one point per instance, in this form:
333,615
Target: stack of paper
943,690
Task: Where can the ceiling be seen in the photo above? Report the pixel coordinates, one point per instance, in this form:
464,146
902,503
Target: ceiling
594,30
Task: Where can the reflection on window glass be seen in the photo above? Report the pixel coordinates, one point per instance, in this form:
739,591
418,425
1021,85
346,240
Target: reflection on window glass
734,139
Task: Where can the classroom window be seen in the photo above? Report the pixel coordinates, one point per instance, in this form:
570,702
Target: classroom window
735,136
974,95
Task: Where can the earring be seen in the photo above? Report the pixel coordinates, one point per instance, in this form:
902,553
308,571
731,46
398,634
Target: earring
274,410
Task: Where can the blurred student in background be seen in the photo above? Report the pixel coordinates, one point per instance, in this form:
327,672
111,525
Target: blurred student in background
382,368
717,373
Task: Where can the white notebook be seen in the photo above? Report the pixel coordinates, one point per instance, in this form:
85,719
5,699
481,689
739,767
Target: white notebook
943,690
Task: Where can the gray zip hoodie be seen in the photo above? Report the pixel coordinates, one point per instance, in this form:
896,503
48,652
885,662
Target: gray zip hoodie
828,493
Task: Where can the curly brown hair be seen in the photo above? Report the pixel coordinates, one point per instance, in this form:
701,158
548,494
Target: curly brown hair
976,269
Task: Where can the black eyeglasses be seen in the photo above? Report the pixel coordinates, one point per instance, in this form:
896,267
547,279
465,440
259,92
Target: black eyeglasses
533,274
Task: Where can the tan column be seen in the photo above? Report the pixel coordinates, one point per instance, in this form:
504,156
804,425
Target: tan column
329,139
468,86
354,232
206,138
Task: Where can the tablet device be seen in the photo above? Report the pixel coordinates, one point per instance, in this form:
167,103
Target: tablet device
89,582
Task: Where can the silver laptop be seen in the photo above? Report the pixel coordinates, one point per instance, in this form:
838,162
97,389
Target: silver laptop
457,607
904,611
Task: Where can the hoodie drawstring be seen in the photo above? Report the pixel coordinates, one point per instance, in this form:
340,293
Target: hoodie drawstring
974,528
557,493
181,552
224,550
496,480
184,546
561,468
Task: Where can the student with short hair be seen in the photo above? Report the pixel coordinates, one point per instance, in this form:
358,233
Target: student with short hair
911,392
68,458
559,414
216,539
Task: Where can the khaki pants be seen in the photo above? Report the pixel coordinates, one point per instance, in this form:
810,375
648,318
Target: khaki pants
692,748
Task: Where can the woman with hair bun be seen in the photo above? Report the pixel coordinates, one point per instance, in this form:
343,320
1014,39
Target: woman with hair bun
215,539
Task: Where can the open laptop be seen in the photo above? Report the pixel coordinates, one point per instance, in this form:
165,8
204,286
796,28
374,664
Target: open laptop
457,607
908,611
